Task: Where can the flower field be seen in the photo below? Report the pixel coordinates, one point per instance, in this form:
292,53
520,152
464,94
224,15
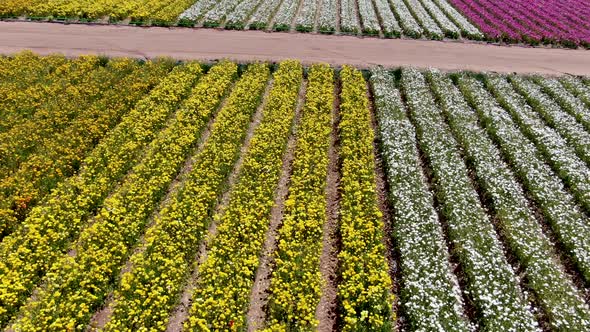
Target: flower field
182,196
551,22
541,21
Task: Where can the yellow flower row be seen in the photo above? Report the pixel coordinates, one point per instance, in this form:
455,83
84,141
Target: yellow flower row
76,286
220,299
137,10
296,280
149,290
61,152
45,234
365,288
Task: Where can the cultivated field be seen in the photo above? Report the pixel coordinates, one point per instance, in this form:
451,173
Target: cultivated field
550,22
159,195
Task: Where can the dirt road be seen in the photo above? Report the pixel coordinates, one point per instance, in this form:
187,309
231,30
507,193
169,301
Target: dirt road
211,44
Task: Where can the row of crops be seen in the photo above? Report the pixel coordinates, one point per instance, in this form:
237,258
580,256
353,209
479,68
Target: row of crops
532,22
415,18
153,195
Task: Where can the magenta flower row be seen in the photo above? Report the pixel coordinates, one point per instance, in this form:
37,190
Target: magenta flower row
535,21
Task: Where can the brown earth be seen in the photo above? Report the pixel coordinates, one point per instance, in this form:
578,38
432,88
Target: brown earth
212,44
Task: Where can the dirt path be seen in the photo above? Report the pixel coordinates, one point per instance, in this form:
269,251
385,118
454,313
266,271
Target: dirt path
211,44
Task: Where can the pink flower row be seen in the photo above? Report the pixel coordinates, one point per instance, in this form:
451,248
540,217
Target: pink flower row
536,21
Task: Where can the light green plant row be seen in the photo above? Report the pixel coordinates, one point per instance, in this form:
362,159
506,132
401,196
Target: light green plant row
555,291
577,88
566,100
365,290
429,293
565,124
27,254
557,153
567,221
490,281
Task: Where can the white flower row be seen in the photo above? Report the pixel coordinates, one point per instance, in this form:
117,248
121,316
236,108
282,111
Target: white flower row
306,19
568,102
491,282
570,225
577,88
562,157
447,26
524,235
563,123
411,27
327,19
369,18
390,26
348,19
430,294
284,16
261,18
239,16
198,9
216,15
467,29
422,16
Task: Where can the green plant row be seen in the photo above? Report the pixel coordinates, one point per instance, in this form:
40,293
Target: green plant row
555,291
429,295
61,155
365,289
296,281
490,281
226,277
568,222
565,124
27,254
149,291
577,88
557,153
566,100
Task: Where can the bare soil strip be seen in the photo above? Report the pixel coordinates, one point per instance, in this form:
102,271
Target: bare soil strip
327,310
212,44
256,315
181,312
